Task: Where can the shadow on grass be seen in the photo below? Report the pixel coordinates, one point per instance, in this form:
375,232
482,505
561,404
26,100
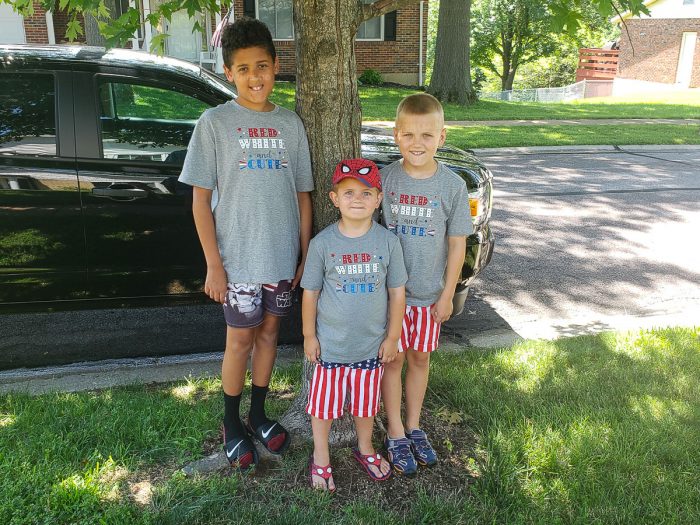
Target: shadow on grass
583,429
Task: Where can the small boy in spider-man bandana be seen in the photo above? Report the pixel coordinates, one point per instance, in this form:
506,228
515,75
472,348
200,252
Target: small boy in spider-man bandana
352,308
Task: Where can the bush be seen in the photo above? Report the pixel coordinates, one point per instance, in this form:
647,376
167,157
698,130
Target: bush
370,77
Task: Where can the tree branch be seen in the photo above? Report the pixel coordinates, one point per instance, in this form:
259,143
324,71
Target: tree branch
382,7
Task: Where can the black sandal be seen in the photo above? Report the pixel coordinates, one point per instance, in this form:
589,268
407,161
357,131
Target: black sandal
270,435
240,452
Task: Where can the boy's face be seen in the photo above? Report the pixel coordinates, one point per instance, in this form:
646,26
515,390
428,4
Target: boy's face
418,138
355,200
253,73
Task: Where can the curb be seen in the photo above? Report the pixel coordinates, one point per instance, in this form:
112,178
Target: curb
121,372
580,150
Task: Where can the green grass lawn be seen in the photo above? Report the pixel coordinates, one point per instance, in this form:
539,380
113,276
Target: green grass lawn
594,429
466,137
380,104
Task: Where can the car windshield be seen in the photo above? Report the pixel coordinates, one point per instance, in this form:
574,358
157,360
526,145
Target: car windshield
218,83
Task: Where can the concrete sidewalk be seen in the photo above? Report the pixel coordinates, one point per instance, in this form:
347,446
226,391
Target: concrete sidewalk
551,122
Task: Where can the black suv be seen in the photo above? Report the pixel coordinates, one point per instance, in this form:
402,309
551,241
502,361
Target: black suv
95,229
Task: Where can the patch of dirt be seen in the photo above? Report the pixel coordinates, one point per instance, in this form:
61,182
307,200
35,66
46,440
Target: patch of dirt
453,440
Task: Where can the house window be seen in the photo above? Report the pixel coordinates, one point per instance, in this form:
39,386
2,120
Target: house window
277,16
371,29
688,2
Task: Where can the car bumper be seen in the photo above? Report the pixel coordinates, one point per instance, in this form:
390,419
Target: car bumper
479,251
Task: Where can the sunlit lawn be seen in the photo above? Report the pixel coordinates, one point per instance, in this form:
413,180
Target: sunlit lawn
467,137
380,104
594,429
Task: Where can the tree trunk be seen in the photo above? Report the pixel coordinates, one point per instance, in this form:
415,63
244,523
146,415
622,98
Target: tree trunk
327,99
328,103
451,79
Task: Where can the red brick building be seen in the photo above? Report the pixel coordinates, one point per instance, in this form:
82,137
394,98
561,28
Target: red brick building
663,48
393,44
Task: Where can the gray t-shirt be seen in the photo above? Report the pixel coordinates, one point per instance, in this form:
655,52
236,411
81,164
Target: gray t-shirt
423,213
353,275
256,162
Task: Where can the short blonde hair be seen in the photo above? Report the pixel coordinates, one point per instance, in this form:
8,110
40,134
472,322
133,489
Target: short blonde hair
419,104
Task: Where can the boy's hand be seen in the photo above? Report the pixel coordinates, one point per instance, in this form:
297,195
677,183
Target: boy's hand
442,309
215,285
388,350
312,349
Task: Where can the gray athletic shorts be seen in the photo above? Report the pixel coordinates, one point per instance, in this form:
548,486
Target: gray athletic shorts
246,303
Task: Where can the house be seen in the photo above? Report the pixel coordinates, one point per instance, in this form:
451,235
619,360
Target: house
393,44
660,51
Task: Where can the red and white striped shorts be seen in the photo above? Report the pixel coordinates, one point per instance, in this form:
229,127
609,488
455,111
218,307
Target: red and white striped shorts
420,331
329,388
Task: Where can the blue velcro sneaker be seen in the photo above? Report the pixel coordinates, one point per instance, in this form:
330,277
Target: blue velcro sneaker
422,449
400,456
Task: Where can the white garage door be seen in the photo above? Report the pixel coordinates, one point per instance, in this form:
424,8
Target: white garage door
11,26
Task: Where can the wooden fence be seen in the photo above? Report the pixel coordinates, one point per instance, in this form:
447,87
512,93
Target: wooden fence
597,64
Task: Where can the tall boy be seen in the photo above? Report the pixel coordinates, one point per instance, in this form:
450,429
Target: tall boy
353,268
427,206
255,156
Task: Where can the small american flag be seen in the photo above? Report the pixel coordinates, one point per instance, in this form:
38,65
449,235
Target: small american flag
216,37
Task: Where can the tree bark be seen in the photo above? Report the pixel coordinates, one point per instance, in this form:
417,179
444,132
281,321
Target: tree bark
451,79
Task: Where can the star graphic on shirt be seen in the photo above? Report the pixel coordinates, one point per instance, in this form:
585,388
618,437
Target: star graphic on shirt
380,257
239,129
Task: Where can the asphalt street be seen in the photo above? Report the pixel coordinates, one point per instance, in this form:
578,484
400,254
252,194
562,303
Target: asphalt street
588,240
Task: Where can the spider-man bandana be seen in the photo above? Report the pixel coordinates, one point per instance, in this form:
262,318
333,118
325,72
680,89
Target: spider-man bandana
363,170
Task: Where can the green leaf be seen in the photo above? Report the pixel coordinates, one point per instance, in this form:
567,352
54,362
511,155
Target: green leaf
158,43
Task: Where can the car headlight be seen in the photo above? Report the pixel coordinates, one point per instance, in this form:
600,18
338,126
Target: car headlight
480,204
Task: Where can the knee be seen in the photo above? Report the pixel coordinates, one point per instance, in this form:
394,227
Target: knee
266,336
419,359
396,365
240,343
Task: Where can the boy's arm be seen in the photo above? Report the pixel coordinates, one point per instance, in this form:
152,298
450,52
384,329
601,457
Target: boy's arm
397,309
216,280
309,305
456,250
305,225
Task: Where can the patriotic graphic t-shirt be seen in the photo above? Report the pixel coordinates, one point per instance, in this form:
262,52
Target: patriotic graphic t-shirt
353,275
256,162
423,213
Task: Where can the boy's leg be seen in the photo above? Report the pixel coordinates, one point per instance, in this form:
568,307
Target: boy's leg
276,302
364,426
265,349
321,455
391,395
417,372
239,343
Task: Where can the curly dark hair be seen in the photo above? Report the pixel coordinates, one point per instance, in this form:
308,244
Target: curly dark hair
245,32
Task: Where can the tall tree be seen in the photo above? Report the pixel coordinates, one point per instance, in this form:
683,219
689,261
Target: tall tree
510,33
451,78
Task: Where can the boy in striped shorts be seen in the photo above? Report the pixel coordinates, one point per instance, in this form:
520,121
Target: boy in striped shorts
427,206
352,308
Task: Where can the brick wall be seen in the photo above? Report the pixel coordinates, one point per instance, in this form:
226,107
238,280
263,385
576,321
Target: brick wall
60,22
397,61
35,26
657,45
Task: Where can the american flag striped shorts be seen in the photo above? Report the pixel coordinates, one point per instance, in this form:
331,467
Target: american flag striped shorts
330,384
420,331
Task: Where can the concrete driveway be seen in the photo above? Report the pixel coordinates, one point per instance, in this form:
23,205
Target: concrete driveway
588,239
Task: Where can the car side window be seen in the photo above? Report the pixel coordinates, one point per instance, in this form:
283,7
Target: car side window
146,123
27,114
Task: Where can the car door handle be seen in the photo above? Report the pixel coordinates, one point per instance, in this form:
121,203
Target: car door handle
120,193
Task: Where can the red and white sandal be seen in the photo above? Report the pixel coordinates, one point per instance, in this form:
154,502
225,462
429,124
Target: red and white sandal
325,473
